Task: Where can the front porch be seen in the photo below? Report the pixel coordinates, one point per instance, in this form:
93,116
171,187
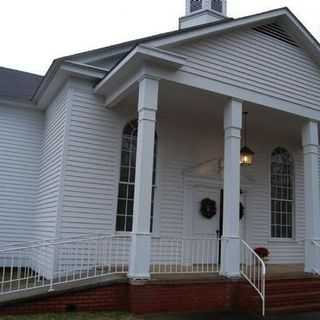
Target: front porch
192,165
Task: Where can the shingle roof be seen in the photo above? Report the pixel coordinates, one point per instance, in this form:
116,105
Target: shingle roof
18,84
135,42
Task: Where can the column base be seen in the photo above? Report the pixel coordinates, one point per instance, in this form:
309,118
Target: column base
311,257
140,254
230,257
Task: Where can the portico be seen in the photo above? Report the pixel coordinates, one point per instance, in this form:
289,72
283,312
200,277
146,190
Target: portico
154,88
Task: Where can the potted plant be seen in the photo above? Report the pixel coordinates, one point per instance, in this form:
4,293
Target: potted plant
263,253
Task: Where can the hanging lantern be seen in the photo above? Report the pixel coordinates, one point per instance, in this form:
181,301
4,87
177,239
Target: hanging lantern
246,154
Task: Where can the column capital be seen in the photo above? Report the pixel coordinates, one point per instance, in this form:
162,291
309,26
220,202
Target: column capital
233,114
310,135
148,94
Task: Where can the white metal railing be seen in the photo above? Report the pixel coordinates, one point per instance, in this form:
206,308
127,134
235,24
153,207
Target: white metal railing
53,263
187,255
253,269
19,244
316,256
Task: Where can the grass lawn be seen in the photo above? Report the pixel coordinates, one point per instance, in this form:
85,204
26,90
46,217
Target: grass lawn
76,316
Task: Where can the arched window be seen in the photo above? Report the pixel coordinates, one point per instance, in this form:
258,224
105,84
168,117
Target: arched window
282,192
127,178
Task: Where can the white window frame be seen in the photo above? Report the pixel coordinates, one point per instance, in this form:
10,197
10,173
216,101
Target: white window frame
154,221
293,219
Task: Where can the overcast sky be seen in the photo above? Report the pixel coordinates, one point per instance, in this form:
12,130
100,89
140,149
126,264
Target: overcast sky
34,32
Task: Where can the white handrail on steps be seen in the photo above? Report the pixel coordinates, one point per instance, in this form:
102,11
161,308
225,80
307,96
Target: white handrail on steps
49,264
316,256
253,269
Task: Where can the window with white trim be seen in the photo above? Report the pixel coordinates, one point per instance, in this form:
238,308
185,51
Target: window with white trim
195,5
282,192
124,219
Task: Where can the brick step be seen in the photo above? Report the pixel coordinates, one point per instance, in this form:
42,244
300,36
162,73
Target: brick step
295,287
293,299
288,291
296,282
306,307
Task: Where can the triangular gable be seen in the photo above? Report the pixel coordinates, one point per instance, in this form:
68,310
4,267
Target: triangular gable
267,59
109,56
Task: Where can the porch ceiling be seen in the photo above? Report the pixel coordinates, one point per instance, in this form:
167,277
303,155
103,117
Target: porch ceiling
183,103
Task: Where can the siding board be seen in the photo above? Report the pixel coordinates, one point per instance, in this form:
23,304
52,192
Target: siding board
20,131
252,60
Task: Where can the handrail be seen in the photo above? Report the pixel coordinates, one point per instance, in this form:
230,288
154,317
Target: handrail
35,243
43,241
54,263
253,269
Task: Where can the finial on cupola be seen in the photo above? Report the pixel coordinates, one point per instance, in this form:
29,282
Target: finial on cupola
203,11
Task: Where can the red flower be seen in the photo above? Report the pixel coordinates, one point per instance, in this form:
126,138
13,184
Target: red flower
262,252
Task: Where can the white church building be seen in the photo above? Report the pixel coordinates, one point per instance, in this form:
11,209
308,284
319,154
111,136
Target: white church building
180,153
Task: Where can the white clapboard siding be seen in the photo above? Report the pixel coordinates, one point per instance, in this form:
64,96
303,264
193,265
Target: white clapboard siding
50,168
49,181
20,131
252,60
91,170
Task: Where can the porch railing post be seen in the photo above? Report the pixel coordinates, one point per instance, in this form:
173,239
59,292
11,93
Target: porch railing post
139,264
310,141
230,242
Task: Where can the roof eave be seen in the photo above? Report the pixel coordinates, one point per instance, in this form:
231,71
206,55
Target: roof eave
58,73
124,75
229,25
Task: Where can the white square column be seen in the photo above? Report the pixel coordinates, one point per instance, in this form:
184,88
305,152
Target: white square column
310,142
230,252
139,265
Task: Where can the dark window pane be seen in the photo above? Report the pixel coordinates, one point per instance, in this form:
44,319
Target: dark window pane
122,191
151,224
133,159
130,207
125,157
273,232
121,206
124,174
131,192
120,223
290,234
132,175
278,218
129,223
126,144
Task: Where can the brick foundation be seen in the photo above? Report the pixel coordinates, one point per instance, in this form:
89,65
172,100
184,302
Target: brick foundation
151,297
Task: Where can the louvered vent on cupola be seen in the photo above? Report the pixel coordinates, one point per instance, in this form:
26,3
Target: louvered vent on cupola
277,32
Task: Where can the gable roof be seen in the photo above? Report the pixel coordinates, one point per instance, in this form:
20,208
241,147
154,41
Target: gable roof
122,50
129,45
18,84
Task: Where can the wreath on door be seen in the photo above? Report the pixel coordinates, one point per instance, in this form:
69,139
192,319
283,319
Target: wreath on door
208,208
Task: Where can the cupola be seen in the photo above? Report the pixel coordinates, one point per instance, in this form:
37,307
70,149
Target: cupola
203,11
